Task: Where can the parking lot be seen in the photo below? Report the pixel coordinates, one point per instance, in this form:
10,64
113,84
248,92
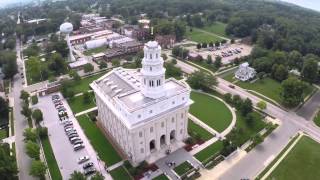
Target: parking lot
65,155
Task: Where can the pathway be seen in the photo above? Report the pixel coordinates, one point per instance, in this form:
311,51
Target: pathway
86,111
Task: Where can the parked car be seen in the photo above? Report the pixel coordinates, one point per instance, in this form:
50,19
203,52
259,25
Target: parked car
89,171
71,132
87,165
78,147
54,97
83,159
78,142
68,129
72,140
68,126
73,135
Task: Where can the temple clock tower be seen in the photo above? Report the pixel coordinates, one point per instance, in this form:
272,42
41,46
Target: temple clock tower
153,72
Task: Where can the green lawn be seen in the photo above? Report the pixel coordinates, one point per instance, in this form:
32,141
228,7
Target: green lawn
183,168
302,162
161,177
95,50
4,133
245,131
228,76
198,36
51,160
218,28
99,142
77,104
316,119
195,130
83,84
210,151
211,111
119,174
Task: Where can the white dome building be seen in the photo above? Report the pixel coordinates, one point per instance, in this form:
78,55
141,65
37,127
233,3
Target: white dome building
143,112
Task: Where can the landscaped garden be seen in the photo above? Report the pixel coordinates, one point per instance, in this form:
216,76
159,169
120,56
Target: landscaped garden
201,36
211,111
83,84
95,50
100,143
161,177
51,160
211,151
302,162
197,132
81,103
183,168
119,173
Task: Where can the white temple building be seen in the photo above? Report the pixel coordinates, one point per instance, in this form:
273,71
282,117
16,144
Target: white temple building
143,113
245,73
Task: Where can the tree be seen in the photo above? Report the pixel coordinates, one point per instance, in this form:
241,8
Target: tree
164,56
4,108
33,150
42,132
74,75
38,169
201,80
279,72
295,60
97,176
66,91
292,92
24,95
199,46
29,135
37,115
310,70
103,65
76,175
204,45
217,62
62,48
57,64
88,68
209,59
228,98
86,98
26,111
217,44
262,105
8,166
172,71
246,107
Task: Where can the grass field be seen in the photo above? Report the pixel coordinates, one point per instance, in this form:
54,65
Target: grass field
211,111
161,177
217,28
199,36
51,160
302,162
183,168
246,131
4,133
210,151
95,51
119,174
77,104
100,143
195,130
83,84
316,119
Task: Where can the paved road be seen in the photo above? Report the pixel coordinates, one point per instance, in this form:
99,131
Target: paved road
310,108
20,124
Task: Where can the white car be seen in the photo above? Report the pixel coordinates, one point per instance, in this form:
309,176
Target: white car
83,159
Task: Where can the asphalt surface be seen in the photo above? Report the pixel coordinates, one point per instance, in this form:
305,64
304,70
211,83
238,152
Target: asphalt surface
310,108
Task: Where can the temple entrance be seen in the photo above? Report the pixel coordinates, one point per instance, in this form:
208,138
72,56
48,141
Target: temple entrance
162,140
172,135
152,146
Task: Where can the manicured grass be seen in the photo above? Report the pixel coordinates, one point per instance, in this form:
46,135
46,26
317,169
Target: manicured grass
211,111
99,142
201,37
77,104
246,131
183,168
218,28
3,133
83,85
229,76
210,151
316,119
161,177
119,174
195,130
95,50
302,162
51,160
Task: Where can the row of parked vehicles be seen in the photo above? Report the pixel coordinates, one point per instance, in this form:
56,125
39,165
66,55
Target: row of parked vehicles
73,135
230,52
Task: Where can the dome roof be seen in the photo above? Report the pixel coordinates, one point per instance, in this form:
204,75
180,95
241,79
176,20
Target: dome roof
152,44
66,28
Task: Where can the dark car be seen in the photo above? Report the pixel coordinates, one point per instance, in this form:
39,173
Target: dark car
89,171
73,135
78,147
87,165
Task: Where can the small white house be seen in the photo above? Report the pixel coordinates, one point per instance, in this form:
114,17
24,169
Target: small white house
244,73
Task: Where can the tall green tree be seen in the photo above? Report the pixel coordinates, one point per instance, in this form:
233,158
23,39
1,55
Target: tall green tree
37,115
201,80
8,166
38,169
33,150
292,92
76,175
310,70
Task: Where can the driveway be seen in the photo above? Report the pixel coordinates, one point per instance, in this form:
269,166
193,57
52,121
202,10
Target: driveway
63,150
309,109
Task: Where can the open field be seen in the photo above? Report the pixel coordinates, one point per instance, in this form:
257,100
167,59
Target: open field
211,111
161,177
210,151
83,85
302,162
199,36
99,142
216,28
51,160
78,104
195,131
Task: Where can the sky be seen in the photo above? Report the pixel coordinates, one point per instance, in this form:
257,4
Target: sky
311,4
